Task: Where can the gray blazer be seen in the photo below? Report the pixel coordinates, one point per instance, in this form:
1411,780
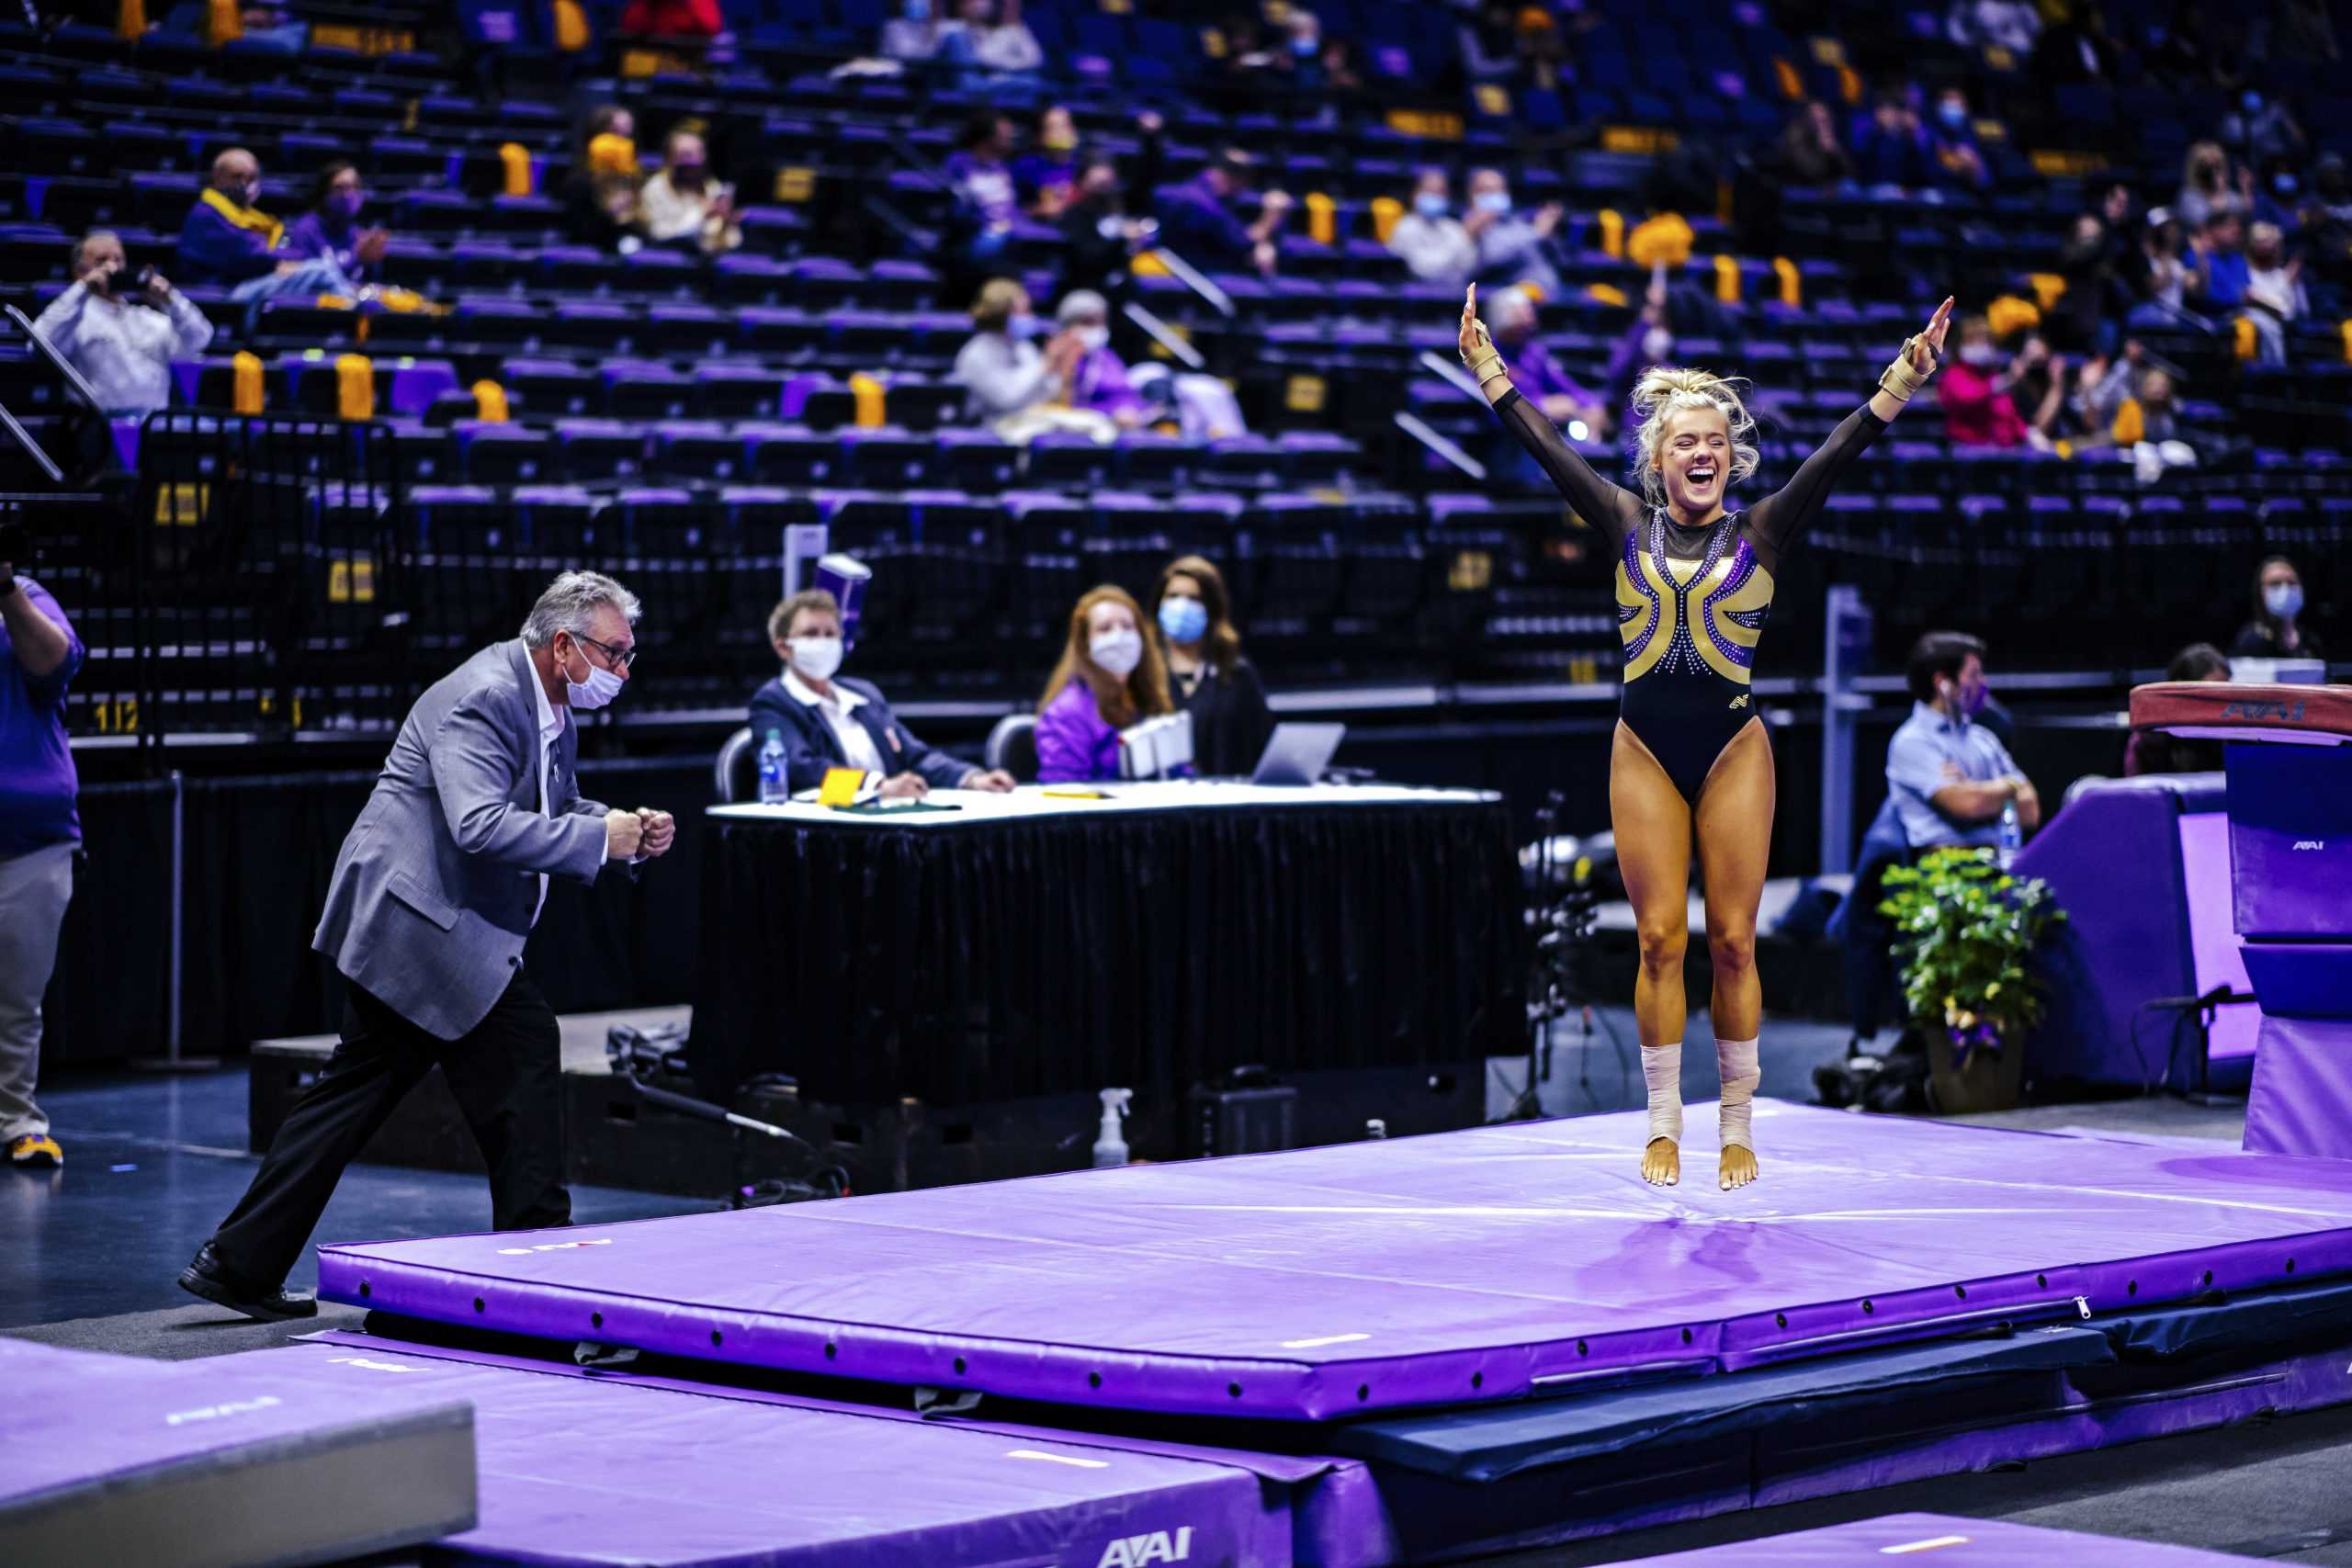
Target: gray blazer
438,881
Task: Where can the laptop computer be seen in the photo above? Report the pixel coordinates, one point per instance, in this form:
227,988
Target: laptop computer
1297,754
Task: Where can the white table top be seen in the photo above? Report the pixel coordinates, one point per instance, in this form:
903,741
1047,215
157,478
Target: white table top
1032,803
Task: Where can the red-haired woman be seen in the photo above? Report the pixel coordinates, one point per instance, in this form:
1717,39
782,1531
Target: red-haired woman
1110,677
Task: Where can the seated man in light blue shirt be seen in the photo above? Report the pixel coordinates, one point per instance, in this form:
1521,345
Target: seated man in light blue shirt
1949,777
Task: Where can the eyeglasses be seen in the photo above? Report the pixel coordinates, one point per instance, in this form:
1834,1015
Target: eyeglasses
622,657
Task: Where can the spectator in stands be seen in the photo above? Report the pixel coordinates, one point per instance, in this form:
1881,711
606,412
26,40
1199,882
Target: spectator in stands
2277,630
1436,247
1977,394
2204,187
1959,161
918,32
2275,299
2155,751
1109,678
1016,389
1808,152
39,834
1891,148
229,240
604,120
2261,129
1510,317
682,205
2221,265
1209,677
2083,320
1100,237
1513,246
1098,379
827,720
600,198
2167,283
1492,47
2013,24
1198,223
1951,777
331,228
1044,178
123,351
981,229
1001,47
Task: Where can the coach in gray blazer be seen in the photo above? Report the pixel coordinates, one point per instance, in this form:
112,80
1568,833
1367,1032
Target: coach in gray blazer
435,892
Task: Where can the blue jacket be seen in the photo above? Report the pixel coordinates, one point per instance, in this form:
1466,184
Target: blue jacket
809,747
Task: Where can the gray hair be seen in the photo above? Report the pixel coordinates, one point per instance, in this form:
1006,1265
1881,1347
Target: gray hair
1511,306
569,603
81,245
1080,303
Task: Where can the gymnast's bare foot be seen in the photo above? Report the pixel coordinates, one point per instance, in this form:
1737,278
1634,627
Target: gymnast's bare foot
1661,1163
1738,1166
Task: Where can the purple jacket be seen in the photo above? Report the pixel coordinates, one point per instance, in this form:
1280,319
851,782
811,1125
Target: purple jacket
1075,743
310,236
37,779
1100,382
213,250
1538,375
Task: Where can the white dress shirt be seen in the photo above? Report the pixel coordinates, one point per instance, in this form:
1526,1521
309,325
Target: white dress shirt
550,731
837,706
125,352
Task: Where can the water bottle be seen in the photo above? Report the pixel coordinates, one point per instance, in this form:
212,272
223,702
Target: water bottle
2011,834
775,787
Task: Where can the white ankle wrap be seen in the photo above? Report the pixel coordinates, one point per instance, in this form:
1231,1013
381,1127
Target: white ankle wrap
1662,1070
1736,1061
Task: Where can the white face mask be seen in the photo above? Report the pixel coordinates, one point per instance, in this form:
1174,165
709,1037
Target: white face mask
816,656
1092,338
602,685
1118,652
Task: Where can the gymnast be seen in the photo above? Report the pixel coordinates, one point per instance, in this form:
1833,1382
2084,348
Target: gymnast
1694,584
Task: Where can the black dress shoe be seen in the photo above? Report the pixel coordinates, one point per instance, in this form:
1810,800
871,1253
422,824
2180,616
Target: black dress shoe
207,1277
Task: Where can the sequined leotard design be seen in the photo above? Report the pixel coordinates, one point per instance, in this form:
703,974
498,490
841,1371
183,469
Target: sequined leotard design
1690,602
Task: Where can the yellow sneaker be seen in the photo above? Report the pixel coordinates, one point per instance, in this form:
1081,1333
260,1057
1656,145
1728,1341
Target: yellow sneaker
36,1151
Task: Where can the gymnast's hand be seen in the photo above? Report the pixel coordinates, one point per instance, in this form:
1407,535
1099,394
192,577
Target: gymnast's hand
1476,344
1929,346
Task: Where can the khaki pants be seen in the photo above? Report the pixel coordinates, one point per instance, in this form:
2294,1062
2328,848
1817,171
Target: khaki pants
34,890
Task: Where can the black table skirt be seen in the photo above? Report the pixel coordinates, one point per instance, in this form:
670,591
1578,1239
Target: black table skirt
1147,951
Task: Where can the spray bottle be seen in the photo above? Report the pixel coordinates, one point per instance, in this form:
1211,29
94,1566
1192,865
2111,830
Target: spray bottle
1110,1148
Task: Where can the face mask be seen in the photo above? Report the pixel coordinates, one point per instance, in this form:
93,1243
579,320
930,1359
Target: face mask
1978,353
1952,115
1092,338
1118,652
1058,141
817,657
1429,204
2285,185
687,173
1302,47
1657,343
1184,620
602,686
2250,103
2283,600
346,203
1024,326
1494,202
247,194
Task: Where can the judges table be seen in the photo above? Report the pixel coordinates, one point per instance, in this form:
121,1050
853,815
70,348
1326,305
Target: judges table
1035,944
2289,761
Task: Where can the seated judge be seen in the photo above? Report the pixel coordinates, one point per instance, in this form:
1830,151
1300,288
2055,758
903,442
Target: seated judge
1110,678
1207,676
827,721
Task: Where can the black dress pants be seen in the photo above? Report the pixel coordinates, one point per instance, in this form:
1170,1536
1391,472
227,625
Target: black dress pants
506,1073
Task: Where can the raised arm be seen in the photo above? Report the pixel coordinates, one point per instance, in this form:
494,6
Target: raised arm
1781,518
1610,508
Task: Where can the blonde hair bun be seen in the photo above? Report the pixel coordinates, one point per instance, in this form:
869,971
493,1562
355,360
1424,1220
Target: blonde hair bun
1665,389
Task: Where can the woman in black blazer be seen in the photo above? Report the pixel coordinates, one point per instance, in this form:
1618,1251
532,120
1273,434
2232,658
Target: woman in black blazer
1207,675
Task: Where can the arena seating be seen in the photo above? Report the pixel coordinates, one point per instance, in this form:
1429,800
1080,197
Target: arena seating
669,412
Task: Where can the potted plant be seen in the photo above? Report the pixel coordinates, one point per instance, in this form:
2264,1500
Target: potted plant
1965,931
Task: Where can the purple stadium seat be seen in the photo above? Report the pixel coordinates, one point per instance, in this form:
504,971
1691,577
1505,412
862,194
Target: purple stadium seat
977,461
600,448
790,454
552,388
502,454
679,328
696,451
644,389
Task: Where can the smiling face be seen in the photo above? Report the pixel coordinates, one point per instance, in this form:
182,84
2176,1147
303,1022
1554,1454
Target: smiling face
1694,460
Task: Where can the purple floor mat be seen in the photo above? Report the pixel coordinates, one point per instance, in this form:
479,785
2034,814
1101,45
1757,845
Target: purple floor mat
1460,1267
103,1459
578,1470
1933,1538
